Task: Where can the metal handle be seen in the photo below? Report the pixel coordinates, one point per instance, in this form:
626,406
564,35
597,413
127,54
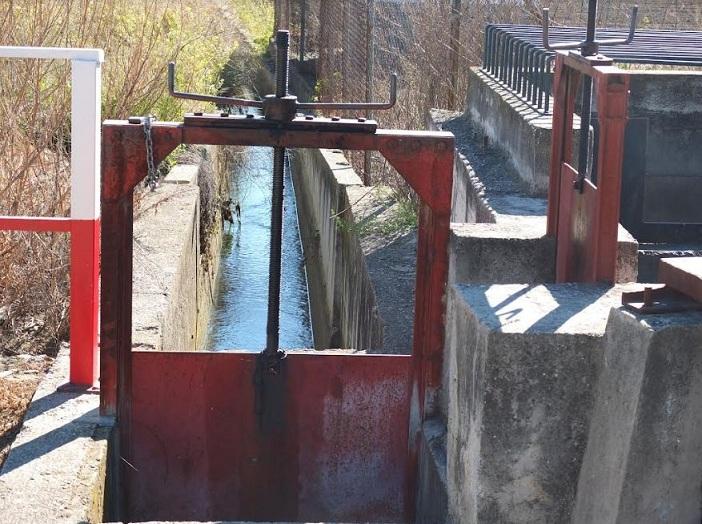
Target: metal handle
356,106
568,45
221,100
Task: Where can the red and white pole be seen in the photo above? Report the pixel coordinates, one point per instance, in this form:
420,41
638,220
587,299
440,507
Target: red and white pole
84,223
85,220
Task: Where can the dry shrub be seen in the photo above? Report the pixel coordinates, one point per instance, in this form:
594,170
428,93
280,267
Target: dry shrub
139,38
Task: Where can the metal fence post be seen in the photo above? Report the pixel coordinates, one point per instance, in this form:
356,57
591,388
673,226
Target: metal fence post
303,29
370,62
85,217
454,50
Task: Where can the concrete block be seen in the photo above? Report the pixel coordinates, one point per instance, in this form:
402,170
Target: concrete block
642,462
164,307
512,251
627,268
523,362
56,468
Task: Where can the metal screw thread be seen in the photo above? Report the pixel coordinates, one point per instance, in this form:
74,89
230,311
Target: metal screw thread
274,269
282,45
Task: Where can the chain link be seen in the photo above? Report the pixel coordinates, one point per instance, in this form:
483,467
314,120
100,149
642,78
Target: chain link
151,180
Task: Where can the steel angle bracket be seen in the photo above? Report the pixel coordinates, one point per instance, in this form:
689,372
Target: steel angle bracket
659,300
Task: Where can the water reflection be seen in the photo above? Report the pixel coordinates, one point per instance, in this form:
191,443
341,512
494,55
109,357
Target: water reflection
239,319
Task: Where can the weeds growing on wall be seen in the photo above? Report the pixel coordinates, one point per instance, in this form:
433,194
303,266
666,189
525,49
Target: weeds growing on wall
139,38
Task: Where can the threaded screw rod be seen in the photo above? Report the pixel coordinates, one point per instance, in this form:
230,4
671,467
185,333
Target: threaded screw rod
279,153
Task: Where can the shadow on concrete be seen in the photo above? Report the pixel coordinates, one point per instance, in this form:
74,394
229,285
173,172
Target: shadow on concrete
537,308
80,427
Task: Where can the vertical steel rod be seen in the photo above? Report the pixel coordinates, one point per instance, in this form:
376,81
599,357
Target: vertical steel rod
274,269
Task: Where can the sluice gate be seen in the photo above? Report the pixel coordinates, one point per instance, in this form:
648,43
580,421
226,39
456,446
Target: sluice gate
322,436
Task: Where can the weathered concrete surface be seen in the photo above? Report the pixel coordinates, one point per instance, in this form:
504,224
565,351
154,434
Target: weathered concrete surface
502,239
174,274
661,180
523,362
56,469
517,250
520,130
343,301
642,462
507,252
164,307
432,489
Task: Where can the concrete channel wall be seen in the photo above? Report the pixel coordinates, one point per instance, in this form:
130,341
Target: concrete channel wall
344,312
174,280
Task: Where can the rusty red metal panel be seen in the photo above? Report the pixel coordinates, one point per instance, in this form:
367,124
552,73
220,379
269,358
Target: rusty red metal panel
577,230
197,453
586,222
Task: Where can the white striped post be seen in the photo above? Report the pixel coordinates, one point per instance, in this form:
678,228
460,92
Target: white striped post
84,222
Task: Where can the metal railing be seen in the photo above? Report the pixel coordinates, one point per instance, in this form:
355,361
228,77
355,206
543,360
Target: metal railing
514,55
84,222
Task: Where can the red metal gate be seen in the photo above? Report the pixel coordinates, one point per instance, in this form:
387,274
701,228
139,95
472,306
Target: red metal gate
345,446
582,215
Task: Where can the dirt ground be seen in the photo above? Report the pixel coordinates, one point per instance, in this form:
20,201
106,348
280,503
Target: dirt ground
19,377
26,352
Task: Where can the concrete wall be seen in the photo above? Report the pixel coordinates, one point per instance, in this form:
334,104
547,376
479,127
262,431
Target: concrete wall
521,131
173,280
341,292
662,183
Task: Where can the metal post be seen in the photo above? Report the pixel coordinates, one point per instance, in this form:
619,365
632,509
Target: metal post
85,220
303,29
455,43
370,64
84,223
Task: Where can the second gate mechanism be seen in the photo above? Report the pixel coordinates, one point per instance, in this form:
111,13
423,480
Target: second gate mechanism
281,111
584,203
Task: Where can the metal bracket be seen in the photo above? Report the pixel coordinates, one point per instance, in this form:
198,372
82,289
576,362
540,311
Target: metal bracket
659,300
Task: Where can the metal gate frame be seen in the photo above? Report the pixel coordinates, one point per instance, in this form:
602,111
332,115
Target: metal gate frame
584,217
425,159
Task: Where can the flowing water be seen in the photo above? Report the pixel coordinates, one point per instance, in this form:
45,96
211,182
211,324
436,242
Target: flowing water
239,318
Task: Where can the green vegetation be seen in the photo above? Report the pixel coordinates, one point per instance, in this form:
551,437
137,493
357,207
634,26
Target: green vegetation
257,17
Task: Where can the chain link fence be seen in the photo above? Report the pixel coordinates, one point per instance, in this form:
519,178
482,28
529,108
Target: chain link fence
357,44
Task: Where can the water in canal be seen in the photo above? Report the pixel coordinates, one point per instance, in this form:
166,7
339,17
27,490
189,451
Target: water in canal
239,318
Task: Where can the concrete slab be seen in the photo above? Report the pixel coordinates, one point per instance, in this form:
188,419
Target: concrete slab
683,274
523,362
56,469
